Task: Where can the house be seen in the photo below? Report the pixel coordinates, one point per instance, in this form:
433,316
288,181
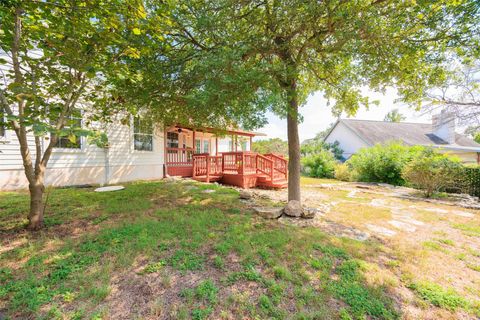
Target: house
146,151
354,134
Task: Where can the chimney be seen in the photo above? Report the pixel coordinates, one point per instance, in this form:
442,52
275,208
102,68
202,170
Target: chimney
443,126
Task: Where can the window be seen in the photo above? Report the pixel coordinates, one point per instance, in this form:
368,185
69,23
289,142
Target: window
198,146
2,123
172,140
143,134
71,141
230,145
244,145
206,148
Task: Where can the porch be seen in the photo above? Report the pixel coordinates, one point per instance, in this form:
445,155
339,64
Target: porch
243,169
207,156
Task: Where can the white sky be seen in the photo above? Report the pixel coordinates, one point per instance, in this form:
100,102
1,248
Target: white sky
317,115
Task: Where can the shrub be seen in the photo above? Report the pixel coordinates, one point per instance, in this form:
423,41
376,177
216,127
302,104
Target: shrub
343,172
319,165
382,162
432,172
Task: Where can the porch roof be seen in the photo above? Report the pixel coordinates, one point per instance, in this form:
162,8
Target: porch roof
237,132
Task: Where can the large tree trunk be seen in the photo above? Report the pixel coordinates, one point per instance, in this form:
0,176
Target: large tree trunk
35,218
37,189
293,146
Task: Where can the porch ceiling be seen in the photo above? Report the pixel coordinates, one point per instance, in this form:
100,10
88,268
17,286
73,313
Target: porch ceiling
221,132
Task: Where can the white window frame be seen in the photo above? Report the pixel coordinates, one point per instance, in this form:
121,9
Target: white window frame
132,125
206,143
73,150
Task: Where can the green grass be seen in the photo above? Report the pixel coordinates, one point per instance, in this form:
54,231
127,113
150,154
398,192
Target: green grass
445,298
468,229
202,248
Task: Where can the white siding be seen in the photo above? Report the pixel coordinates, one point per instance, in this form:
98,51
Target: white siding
88,164
349,141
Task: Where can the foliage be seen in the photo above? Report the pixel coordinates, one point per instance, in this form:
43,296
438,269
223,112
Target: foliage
319,165
314,146
382,162
274,145
438,296
432,171
342,172
470,180
460,93
394,116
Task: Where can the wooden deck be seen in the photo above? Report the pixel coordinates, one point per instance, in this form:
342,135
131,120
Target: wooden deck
242,169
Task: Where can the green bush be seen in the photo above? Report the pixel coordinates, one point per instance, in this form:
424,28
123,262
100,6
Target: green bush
319,165
432,172
343,172
470,180
382,162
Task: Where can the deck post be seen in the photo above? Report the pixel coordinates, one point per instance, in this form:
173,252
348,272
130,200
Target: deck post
193,166
193,142
250,146
216,145
207,157
165,156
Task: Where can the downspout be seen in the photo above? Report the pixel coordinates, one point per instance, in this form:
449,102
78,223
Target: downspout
107,165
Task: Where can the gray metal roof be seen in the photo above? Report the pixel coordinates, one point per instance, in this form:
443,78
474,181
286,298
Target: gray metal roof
374,132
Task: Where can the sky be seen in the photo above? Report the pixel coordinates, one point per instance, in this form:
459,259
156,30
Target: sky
317,115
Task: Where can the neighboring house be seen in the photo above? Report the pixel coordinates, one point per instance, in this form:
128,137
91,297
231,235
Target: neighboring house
136,151
440,134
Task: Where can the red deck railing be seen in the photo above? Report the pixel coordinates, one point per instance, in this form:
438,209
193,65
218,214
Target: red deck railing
179,156
245,163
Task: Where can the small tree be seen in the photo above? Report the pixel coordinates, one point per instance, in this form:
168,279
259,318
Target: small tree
319,165
394,116
61,56
275,145
432,172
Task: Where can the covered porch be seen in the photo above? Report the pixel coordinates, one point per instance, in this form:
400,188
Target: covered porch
227,158
181,143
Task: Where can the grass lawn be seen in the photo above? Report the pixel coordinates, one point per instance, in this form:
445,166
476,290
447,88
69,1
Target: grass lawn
170,250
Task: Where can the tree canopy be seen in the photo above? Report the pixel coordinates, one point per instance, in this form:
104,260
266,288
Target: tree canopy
337,47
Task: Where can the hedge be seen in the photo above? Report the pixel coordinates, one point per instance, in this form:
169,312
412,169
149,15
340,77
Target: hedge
471,181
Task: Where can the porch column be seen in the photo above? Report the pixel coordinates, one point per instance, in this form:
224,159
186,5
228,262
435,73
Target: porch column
216,145
165,156
236,142
250,146
193,142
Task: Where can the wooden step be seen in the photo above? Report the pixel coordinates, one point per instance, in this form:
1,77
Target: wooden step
204,178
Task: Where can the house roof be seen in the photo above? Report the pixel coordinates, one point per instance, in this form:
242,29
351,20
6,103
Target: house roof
373,132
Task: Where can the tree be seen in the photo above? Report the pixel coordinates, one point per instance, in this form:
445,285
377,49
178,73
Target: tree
394,116
274,145
460,93
335,47
432,172
60,59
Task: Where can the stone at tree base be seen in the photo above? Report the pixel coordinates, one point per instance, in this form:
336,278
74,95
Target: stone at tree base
293,209
268,212
246,195
309,213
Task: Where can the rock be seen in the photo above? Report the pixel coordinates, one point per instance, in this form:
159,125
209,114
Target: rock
310,213
246,195
109,188
293,208
268,212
